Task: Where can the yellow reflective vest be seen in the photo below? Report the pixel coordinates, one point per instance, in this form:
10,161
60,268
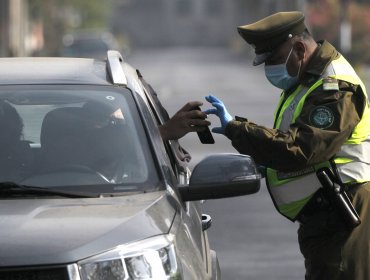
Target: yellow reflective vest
291,191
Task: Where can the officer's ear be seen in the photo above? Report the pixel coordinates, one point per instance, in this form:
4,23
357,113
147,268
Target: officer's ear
300,50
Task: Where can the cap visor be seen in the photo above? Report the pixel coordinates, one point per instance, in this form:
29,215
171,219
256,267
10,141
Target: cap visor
261,58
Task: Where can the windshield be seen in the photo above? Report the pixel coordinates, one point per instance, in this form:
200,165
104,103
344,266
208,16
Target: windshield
76,137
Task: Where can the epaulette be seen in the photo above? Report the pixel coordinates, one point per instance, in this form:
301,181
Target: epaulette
330,84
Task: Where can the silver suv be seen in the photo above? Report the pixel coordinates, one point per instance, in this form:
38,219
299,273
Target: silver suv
88,188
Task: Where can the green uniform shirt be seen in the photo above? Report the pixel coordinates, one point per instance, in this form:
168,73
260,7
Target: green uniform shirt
305,143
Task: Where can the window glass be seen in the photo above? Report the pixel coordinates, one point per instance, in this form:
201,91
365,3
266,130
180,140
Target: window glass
74,137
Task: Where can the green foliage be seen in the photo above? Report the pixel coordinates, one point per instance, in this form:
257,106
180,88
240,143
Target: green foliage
92,13
95,14
61,16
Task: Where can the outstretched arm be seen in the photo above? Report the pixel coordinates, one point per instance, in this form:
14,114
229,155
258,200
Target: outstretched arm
186,120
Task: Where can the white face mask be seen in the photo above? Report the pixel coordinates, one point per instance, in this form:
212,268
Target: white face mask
278,74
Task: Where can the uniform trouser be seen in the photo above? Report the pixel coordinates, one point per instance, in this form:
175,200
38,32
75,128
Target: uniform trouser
330,250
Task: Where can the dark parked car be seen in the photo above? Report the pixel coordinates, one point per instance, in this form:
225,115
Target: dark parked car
88,189
88,44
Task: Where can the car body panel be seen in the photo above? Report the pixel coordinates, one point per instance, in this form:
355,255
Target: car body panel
56,231
192,248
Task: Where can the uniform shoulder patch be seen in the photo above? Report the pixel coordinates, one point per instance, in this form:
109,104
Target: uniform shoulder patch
330,84
321,117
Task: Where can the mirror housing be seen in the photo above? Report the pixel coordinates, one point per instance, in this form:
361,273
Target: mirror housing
221,176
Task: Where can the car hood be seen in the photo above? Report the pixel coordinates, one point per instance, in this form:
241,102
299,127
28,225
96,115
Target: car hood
56,231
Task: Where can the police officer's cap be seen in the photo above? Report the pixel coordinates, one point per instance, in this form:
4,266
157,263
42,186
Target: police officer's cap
267,34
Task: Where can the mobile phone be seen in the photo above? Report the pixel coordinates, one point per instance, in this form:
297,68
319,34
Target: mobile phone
205,136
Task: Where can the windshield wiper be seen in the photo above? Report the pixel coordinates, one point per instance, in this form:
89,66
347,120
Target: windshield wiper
9,189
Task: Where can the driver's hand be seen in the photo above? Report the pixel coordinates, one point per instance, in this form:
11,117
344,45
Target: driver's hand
186,120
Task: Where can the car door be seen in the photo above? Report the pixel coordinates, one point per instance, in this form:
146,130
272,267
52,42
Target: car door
192,212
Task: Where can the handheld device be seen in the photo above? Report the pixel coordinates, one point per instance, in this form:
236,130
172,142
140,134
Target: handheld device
205,136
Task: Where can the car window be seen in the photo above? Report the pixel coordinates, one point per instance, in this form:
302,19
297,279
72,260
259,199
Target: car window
178,157
74,136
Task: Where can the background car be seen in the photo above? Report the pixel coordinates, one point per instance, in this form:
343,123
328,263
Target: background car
88,44
88,188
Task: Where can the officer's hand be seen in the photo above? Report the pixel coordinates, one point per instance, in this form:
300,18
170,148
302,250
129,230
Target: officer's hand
186,120
219,110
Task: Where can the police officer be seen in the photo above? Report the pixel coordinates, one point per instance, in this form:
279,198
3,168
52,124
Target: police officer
322,120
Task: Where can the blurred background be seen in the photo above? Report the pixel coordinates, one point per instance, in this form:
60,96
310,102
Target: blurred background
188,49
37,27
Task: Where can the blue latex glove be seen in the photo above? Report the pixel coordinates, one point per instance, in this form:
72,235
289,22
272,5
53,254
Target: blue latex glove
220,111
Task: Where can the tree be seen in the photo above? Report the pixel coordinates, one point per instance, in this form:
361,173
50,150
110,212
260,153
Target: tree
59,16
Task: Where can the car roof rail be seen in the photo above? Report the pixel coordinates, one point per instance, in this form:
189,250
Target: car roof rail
114,60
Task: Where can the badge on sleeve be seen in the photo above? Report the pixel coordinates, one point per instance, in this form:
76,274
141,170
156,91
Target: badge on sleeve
330,84
321,117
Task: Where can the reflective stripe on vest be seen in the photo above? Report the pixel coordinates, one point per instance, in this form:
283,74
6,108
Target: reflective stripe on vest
292,190
292,196
353,160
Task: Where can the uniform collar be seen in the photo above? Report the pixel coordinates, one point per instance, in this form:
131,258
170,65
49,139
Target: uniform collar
324,54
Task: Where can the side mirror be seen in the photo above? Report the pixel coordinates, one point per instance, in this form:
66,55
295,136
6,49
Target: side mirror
221,176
